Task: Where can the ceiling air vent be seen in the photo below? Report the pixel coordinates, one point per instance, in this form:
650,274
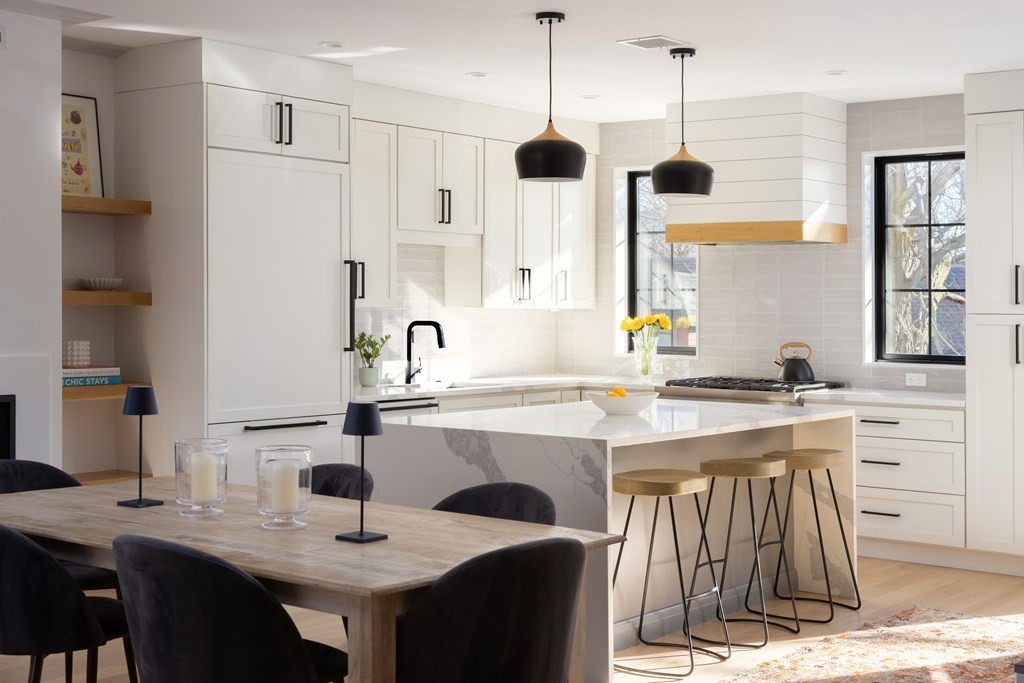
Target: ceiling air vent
653,42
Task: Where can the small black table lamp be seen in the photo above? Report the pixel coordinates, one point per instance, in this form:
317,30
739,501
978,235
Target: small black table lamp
362,420
140,401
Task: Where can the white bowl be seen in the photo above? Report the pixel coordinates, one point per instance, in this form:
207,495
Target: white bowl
100,284
630,404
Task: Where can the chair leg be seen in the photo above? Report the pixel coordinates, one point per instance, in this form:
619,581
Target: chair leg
715,589
35,669
625,528
91,665
129,660
69,667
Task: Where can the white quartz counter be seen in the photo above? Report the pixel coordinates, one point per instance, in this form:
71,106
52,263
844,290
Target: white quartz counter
886,397
665,420
497,385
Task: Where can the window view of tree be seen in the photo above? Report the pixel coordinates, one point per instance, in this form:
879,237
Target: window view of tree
921,257
662,276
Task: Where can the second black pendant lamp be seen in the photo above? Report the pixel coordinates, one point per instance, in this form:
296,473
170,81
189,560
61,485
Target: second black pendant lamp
550,157
682,174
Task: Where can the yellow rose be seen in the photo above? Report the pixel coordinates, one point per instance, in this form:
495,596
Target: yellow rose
638,324
650,320
627,324
664,322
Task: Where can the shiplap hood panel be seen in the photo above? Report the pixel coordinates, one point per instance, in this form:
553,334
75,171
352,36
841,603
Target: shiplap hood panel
780,171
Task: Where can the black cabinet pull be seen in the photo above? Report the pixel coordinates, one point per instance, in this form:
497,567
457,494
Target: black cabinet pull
448,220
280,123
362,279
441,221
290,135
529,283
261,428
386,409
351,304
880,514
881,422
880,462
1016,341
1016,285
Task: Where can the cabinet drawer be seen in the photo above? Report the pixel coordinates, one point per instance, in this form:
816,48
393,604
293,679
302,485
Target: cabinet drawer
927,466
910,423
463,404
933,518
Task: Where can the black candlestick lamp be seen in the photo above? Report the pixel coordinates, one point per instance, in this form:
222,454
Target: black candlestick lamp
362,420
140,401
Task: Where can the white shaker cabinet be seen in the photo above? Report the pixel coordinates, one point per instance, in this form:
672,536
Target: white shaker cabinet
440,181
995,212
535,272
576,247
995,463
500,279
275,287
374,211
276,124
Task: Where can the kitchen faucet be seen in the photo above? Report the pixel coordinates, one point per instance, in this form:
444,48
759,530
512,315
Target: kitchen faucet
409,372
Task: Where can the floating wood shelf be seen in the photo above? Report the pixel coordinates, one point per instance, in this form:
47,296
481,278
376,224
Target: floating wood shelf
99,393
74,297
103,206
108,477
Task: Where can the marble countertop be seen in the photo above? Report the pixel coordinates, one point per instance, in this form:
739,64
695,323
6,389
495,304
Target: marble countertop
665,420
887,397
495,385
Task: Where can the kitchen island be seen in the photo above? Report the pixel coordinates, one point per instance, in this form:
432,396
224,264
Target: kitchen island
571,450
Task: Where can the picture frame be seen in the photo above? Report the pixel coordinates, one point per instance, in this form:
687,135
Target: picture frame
81,171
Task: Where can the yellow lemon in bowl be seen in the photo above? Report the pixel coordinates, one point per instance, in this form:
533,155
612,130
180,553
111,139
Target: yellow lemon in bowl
617,391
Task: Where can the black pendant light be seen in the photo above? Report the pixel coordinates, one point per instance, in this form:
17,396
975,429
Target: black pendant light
682,174
550,157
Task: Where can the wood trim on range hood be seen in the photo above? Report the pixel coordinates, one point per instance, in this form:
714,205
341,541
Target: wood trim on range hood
757,232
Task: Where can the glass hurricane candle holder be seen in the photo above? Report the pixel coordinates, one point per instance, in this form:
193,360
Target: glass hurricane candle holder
201,472
284,475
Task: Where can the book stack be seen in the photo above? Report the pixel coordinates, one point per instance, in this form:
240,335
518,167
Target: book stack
90,377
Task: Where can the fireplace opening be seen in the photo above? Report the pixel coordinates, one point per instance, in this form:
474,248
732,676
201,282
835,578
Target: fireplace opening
7,427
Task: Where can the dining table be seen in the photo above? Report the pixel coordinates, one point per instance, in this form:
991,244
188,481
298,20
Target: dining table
371,583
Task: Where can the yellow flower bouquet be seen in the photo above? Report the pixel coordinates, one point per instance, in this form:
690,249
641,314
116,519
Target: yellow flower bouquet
645,331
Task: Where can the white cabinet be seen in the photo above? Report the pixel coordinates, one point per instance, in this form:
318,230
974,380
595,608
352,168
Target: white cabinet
995,463
500,279
542,398
440,181
374,211
576,248
276,124
275,287
995,212
536,245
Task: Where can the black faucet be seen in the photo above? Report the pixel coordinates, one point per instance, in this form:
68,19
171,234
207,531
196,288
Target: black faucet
409,372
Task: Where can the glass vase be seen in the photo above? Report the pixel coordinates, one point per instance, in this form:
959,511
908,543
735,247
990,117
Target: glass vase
284,476
200,473
645,357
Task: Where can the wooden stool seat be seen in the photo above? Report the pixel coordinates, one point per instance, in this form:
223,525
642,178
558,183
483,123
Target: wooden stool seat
744,468
664,482
809,458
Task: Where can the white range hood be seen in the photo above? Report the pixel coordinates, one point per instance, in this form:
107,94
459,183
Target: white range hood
780,171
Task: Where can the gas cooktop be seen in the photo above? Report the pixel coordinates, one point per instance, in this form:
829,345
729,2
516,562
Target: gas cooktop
750,384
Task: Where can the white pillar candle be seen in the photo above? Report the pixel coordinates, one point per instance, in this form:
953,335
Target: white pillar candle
204,478
284,486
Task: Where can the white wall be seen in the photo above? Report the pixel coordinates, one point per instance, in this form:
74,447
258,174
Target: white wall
30,73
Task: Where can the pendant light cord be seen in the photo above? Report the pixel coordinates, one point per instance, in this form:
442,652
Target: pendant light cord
550,58
682,99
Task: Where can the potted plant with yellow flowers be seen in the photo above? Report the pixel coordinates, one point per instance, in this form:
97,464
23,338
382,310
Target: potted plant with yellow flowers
645,331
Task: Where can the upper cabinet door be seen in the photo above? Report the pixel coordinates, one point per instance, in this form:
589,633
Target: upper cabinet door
500,242
243,119
995,212
420,196
577,242
536,263
374,210
315,130
463,182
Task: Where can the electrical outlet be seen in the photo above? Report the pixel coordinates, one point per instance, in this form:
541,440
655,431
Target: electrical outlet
3,37
916,379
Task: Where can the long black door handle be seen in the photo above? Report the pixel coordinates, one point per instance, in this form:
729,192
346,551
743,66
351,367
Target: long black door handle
362,279
261,428
1016,341
290,132
880,514
448,220
880,462
442,207
351,305
280,123
881,422
428,406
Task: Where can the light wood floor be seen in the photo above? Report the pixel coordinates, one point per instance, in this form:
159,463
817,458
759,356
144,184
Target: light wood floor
887,587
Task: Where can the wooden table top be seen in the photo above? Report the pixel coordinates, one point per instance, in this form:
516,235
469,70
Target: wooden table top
422,544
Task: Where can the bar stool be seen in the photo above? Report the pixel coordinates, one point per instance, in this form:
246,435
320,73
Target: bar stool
667,483
748,469
810,460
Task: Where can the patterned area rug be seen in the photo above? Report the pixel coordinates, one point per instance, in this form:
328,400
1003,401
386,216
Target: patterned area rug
918,644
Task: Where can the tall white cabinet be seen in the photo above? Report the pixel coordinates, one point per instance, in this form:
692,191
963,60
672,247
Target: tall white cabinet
440,181
247,150
375,211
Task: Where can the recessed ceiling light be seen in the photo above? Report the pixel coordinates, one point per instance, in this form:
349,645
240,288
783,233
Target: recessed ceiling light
477,74
340,55
837,72
384,49
331,44
590,97
653,42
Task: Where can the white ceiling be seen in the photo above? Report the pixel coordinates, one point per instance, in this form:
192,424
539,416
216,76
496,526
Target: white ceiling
906,48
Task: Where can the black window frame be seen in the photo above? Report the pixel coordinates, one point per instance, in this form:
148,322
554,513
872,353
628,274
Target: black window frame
631,276
880,258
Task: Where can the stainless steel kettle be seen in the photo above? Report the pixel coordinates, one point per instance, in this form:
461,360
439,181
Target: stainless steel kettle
793,368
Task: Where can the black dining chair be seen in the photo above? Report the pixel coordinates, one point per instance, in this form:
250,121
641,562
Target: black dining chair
195,618
504,617
17,476
502,500
341,480
43,611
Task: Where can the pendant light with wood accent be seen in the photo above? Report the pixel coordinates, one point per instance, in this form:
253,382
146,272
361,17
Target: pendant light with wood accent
682,174
550,157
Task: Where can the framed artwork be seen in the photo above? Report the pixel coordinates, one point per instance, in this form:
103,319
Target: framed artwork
81,171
